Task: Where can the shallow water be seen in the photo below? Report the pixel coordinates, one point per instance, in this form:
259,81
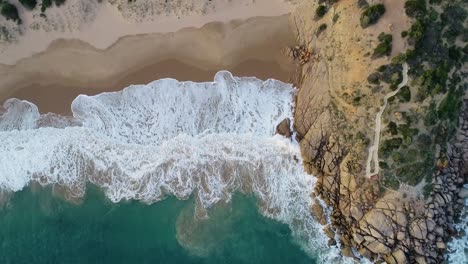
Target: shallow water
38,227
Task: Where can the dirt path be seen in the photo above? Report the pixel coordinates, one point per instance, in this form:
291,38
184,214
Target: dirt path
373,159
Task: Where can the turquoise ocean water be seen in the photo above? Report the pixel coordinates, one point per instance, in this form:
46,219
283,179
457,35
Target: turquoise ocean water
39,227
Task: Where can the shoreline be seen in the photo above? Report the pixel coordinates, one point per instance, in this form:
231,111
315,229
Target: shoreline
194,54
93,26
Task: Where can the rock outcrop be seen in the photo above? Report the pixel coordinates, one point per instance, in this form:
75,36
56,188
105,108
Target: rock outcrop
382,225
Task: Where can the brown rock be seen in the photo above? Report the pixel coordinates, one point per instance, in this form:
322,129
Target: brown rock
441,245
318,213
284,128
347,252
418,229
378,247
365,252
329,232
356,212
375,222
399,257
358,238
420,260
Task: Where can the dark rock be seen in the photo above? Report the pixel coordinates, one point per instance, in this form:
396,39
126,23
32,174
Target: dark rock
284,128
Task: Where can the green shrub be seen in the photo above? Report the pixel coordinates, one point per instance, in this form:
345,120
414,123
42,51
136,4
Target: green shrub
382,68
424,141
416,32
385,46
391,182
450,106
335,18
45,4
392,127
397,157
404,94
28,4
59,2
371,15
390,145
321,28
407,132
415,8
455,53
321,11
48,3
374,78
10,12
404,57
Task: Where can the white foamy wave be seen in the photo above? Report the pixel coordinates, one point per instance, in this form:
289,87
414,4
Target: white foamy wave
146,142
161,110
18,115
458,247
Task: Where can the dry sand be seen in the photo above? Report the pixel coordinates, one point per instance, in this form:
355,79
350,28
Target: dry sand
53,78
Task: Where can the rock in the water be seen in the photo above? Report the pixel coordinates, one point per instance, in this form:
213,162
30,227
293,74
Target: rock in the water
441,245
284,128
463,193
347,252
318,213
365,252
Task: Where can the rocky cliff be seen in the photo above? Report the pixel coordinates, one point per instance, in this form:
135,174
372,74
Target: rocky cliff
404,214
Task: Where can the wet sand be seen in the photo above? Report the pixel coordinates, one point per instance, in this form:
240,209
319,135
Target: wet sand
52,79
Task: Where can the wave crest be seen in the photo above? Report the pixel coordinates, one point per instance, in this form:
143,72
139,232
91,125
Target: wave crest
146,142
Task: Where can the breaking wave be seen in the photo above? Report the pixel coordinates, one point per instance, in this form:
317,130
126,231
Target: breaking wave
458,246
147,142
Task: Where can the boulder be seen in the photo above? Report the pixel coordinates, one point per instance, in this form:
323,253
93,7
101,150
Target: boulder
399,257
329,232
358,238
318,213
365,252
378,247
284,128
441,245
463,193
420,260
430,225
347,252
400,218
356,212
376,223
418,229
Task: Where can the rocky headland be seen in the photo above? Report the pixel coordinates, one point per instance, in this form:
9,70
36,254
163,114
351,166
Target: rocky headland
351,54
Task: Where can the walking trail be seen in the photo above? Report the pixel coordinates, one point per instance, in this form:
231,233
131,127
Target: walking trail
373,159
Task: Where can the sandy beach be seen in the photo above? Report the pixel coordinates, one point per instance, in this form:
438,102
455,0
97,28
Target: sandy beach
70,67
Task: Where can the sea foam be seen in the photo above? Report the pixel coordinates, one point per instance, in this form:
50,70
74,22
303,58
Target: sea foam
147,142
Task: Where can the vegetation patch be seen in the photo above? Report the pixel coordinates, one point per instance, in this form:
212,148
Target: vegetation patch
28,4
48,3
385,46
321,11
321,28
371,15
404,95
9,11
415,8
